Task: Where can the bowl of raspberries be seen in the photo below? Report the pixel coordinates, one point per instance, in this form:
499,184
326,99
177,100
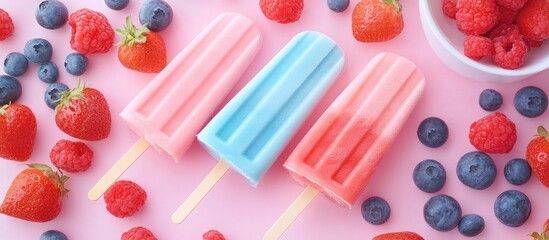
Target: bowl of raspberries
489,40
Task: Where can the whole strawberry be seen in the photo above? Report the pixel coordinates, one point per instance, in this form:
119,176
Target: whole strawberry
83,113
377,20
282,11
17,132
140,49
476,17
6,25
533,20
91,32
494,133
544,235
398,236
35,194
537,155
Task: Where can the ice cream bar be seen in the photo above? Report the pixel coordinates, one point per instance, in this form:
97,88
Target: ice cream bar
176,104
342,150
249,133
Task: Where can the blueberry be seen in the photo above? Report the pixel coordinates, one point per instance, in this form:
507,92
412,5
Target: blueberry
338,5
53,93
52,14
429,176
76,64
517,171
512,208
117,4
432,132
15,64
442,212
471,225
10,89
38,50
476,170
375,210
53,235
490,100
157,14
530,101
48,72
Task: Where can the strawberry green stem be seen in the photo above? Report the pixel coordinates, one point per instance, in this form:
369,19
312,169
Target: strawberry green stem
4,109
56,176
542,132
395,4
67,96
132,35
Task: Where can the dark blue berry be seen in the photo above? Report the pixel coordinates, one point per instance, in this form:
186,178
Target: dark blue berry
76,64
517,171
53,93
48,72
53,235
432,132
490,100
157,14
476,170
52,14
15,64
530,101
117,4
38,50
10,89
338,5
429,176
471,225
512,208
376,210
442,213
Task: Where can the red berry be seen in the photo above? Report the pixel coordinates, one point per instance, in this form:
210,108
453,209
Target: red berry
377,20
71,156
124,198
449,8
282,11
213,235
510,51
502,30
508,15
533,20
494,133
138,233
6,25
537,155
91,32
17,131
511,4
476,17
533,43
477,47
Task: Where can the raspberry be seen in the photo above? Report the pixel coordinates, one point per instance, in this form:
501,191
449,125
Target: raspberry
533,20
124,198
502,30
476,17
510,50
6,25
138,233
511,4
449,8
533,43
477,47
213,235
494,133
91,32
507,15
71,156
282,11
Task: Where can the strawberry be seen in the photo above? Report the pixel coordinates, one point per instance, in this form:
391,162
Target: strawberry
35,194
544,235
398,236
537,154
140,49
17,132
377,20
533,20
83,113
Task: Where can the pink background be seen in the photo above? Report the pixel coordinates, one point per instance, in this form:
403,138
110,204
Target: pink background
233,207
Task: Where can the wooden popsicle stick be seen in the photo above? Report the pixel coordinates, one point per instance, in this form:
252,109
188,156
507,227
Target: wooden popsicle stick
199,192
119,167
291,213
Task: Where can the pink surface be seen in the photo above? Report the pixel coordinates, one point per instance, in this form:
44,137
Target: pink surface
233,207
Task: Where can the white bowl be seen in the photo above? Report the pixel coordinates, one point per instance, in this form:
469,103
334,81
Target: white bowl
447,42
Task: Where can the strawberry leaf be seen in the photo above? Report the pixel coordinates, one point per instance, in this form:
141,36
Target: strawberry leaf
132,35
